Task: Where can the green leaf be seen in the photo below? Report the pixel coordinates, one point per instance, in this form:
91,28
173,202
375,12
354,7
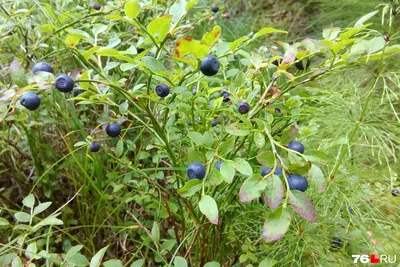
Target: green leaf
243,167
317,177
375,44
252,188
237,42
73,250
266,158
17,74
79,260
300,168
138,263
209,208
123,107
208,139
177,10
227,171
209,38
237,129
119,148
3,222
22,217
303,205
72,40
276,225
132,9
196,137
266,31
212,264
31,250
51,220
16,262
190,188
363,19
268,263
113,263
29,201
188,46
155,233
259,140
226,146
331,33
153,64
159,27
96,260
41,207
274,191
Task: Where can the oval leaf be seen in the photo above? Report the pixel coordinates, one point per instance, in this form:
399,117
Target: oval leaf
252,188
243,167
303,205
276,225
266,158
237,129
96,260
274,191
227,171
209,208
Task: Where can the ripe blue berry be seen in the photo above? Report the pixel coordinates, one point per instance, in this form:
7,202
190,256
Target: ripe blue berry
94,147
113,129
64,83
395,192
96,6
266,170
226,95
42,66
336,242
300,65
218,165
243,108
209,65
196,170
214,123
194,92
30,100
278,111
162,90
297,182
78,92
150,54
296,146
188,123
214,8
278,61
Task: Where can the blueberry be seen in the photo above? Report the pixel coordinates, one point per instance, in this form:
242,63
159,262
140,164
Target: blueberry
226,95
278,61
395,192
140,50
243,108
300,66
214,123
198,120
209,65
78,92
96,6
194,92
296,146
350,210
30,100
336,243
64,83
214,8
278,111
234,57
297,182
94,147
162,90
42,66
218,165
113,129
150,54
266,170
188,123
196,170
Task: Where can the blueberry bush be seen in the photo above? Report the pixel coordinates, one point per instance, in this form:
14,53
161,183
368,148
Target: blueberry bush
133,134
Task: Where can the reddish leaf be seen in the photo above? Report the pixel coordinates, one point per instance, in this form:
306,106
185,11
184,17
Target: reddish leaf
276,225
274,191
303,205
